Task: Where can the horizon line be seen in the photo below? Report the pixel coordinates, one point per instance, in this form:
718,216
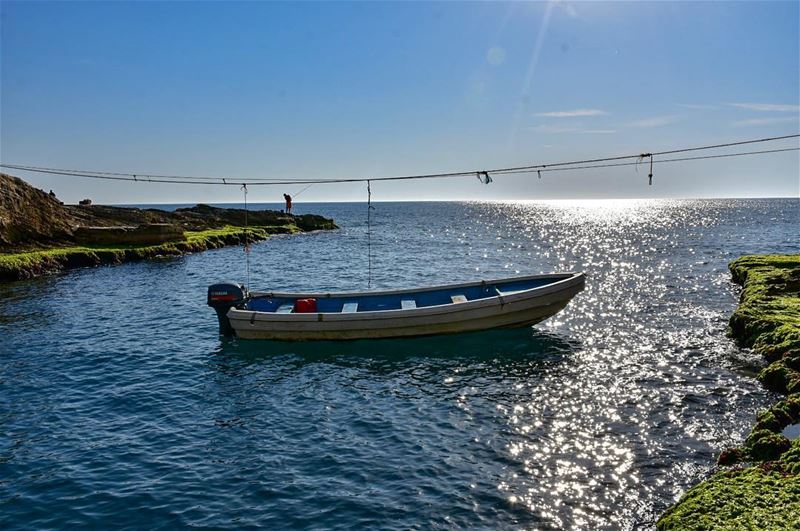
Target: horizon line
295,203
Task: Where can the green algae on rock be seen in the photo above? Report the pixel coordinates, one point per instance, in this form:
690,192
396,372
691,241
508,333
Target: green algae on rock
752,498
768,320
20,266
768,316
765,496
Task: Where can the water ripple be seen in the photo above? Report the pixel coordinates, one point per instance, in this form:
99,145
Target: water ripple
120,406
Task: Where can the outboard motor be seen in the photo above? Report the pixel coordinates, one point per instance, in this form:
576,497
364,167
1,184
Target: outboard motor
223,297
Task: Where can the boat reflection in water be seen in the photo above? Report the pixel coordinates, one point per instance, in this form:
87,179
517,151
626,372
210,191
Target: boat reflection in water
518,346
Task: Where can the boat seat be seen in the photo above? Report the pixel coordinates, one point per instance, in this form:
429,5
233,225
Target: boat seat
457,299
350,307
285,308
409,304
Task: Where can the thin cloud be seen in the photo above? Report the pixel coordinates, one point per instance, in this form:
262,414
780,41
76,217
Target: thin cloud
558,129
765,121
768,107
655,121
573,114
555,129
698,106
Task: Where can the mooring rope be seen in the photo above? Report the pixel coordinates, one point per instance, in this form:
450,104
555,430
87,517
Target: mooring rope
246,240
369,235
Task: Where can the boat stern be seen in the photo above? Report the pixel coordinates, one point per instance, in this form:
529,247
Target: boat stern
222,297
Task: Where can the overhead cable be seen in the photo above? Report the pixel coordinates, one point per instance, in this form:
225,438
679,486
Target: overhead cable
482,174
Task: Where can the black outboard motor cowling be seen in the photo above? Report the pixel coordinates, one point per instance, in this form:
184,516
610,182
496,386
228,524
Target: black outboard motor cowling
223,297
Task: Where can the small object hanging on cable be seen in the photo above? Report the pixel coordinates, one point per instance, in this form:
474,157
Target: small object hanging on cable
640,159
540,173
484,177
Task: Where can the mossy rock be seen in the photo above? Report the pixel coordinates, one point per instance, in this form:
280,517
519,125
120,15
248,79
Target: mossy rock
765,442
779,377
766,496
768,316
789,406
792,359
767,421
753,498
791,460
778,341
766,445
730,456
20,266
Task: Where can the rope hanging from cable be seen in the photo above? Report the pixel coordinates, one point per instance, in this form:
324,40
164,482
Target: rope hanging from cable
369,235
246,239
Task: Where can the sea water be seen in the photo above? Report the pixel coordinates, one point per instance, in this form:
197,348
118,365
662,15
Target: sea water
120,406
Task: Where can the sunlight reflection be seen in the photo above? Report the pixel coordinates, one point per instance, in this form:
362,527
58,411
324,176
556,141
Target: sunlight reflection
584,455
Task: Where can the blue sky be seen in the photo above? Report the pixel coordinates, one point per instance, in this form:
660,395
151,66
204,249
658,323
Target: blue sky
328,90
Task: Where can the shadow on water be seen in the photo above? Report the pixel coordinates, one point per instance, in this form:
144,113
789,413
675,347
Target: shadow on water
523,344
27,293
490,363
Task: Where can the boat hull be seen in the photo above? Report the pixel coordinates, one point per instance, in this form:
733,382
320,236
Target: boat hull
520,309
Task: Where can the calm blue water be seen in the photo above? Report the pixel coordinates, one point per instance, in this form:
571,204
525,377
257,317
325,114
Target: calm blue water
121,407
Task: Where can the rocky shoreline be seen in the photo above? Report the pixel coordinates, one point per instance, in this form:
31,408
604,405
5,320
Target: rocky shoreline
27,265
758,486
40,235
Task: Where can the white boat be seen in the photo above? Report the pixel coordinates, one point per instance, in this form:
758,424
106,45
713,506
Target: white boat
482,305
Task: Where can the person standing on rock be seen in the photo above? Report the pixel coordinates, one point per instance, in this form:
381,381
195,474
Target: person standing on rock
288,200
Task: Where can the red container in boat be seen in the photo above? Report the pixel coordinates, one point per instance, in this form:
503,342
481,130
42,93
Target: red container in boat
305,306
